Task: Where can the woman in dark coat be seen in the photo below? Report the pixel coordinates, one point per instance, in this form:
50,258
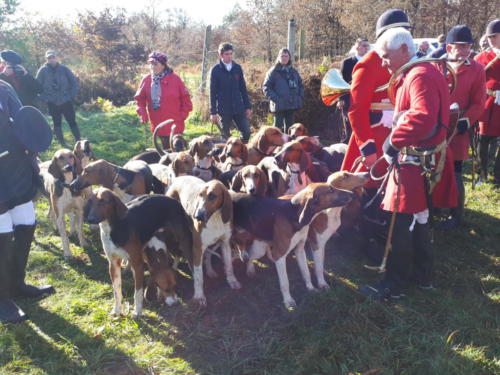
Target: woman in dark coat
283,87
26,86
19,183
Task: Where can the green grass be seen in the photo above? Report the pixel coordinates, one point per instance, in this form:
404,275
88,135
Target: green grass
452,330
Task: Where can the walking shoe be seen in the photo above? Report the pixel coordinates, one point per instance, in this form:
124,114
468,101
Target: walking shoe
381,292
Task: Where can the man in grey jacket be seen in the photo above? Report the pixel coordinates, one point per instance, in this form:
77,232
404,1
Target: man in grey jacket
60,87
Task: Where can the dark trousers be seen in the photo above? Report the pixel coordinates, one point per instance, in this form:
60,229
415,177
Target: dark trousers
68,111
485,143
411,257
284,119
241,121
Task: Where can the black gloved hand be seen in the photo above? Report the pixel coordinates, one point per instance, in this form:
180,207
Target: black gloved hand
462,125
390,152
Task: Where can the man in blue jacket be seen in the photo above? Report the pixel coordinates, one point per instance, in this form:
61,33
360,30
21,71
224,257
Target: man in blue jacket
228,94
60,87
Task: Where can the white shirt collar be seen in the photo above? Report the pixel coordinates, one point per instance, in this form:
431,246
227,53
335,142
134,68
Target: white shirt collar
358,57
496,50
228,66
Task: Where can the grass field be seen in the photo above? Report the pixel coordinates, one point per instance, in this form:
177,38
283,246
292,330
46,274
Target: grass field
451,330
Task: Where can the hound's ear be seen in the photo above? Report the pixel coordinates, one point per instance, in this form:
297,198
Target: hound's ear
78,165
262,142
78,146
151,292
120,208
184,143
244,153
224,154
262,185
305,215
304,161
227,205
193,147
54,169
237,182
176,166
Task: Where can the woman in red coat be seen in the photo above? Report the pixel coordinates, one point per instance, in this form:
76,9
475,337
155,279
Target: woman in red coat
162,96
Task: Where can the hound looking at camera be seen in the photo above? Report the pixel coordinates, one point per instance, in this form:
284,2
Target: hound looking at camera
210,207
56,175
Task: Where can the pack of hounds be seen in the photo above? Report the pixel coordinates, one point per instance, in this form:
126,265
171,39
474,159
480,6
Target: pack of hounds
277,194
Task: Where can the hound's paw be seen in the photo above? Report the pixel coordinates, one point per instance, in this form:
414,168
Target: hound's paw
136,314
234,284
311,288
323,286
250,269
290,304
201,301
116,312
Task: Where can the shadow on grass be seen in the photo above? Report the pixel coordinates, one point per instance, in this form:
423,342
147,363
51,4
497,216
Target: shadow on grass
56,346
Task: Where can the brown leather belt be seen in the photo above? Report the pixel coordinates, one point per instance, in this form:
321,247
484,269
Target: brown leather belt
382,106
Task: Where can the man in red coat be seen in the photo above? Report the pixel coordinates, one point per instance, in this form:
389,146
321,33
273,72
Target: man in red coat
421,110
489,122
370,116
469,94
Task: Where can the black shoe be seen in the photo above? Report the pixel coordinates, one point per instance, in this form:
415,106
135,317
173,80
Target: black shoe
425,287
31,291
381,292
448,224
374,251
10,312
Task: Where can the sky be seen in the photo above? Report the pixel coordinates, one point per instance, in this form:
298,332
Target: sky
208,11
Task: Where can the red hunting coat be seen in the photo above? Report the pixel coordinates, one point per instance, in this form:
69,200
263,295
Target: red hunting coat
489,122
470,95
423,93
175,103
367,138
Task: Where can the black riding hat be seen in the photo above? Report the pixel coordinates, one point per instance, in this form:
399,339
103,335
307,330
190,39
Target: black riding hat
493,27
390,19
11,57
32,129
459,34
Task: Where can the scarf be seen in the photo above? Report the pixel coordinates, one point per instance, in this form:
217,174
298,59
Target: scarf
156,88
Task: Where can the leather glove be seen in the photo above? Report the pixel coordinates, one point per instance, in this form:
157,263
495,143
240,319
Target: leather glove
462,125
390,152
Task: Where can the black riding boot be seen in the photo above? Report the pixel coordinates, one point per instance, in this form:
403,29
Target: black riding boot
9,311
457,212
398,268
23,236
422,256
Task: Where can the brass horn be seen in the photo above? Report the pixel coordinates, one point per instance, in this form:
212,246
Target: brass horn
446,68
333,86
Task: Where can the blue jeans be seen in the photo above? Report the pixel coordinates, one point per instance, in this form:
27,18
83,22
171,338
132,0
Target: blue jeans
241,121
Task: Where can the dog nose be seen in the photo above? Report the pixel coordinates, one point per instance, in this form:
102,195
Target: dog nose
68,168
200,214
252,190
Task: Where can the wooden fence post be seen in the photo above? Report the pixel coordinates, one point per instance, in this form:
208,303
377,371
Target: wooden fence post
292,26
302,40
204,64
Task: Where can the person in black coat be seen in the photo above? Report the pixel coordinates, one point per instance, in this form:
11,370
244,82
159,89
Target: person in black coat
23,133
26,86
441,50
284,89
228,94
360,49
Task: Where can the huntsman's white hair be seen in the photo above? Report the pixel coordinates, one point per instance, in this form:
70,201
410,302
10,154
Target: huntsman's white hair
393,39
